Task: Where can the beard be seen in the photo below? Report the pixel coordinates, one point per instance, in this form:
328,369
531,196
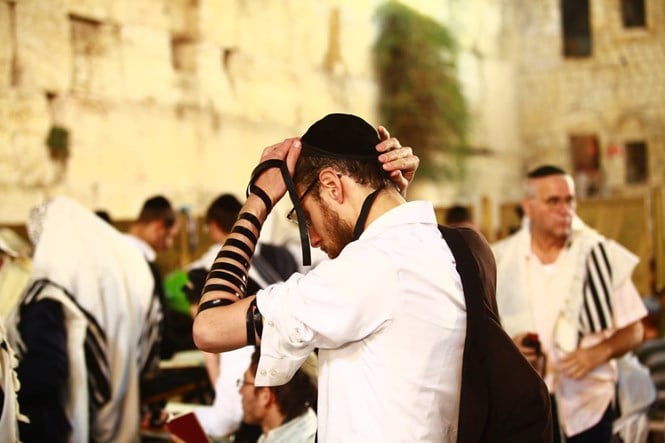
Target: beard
338,233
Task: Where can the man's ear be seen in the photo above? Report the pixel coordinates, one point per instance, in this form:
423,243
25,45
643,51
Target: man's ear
331,183
265,396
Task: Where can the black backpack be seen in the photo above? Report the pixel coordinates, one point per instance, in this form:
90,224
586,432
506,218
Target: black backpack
503,398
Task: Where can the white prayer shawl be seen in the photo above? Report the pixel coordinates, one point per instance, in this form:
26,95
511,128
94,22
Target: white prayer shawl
9,415
108,288
592,268
572,273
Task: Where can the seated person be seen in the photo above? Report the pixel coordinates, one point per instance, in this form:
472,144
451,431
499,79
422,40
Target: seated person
652,354
284,413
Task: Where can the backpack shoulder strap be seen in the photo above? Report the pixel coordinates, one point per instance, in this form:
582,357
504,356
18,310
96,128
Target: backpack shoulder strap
469,272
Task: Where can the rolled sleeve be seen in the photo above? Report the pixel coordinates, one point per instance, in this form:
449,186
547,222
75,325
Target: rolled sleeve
628,306
284,342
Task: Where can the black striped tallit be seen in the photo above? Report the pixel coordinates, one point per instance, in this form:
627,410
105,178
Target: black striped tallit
95,347
596,312
151,336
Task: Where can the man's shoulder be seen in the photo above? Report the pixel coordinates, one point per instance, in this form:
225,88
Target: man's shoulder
505,244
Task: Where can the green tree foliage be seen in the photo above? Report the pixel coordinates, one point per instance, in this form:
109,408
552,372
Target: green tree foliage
421,101
57,142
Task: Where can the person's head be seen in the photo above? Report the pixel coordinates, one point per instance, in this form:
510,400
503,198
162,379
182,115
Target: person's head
458,215
549,203
270,407
337,168
157,223
221,215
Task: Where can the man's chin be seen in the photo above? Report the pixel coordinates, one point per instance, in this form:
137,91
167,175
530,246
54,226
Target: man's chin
331,254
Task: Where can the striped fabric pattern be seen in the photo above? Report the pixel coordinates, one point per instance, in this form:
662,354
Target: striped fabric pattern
596,312
151,334
95,348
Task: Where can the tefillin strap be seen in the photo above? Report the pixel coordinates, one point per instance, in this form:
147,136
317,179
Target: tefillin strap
364,212
229,272
213,304
253,323
237,276
291,188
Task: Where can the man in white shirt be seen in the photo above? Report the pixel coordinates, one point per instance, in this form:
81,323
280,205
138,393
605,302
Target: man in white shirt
224,416
285,413
154,232
387,312
562,282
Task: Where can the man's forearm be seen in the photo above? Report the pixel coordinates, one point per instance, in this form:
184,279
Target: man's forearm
622,341
220,324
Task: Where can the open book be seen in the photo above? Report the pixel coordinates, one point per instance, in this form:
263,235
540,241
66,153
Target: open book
187,428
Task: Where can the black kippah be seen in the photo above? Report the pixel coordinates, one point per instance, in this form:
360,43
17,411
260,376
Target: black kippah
343,136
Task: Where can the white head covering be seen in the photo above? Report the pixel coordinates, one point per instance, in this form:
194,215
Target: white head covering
109,280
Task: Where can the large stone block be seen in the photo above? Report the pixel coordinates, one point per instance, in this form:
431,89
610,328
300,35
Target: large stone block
98,10
212,75
144,13
24,126
97,61
148,73
43,45
7,36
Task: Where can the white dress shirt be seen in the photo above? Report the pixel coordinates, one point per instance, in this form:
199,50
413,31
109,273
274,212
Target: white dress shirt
301,429
389,318
531,295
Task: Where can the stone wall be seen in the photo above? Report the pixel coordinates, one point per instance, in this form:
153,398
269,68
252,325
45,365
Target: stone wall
165,96
179,96
617,93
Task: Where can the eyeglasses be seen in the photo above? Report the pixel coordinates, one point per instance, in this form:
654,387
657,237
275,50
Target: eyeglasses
241,382
291,216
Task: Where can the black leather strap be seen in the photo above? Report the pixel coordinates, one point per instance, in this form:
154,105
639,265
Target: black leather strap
253,189
246,232
217,273
250,218
234,256
230,267
258,320
291,188
217,287
244,247
213,304
249,324
364,212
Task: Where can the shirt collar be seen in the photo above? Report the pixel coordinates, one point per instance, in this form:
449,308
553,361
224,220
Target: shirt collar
144,247
412,212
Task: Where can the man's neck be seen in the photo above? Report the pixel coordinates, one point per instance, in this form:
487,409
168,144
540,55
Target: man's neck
388,198
272,420
547,249
147,250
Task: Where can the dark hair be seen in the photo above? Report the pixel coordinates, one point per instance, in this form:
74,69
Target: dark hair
364,172
545,171
294,397
104,215
224,211
157,208
458,214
